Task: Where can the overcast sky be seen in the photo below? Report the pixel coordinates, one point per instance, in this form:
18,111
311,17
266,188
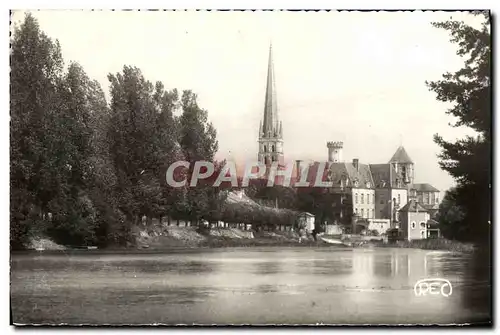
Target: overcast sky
356,77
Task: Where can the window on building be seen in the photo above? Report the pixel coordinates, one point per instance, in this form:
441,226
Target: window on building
437,199
413,225
362,213
265,148
355,198
373,214
422,233
381,201
273,148
273,159
399,198
362,198
356,211
422,225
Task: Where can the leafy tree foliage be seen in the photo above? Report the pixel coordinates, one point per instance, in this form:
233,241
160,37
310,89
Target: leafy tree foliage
198,140
451,217
84,171
468,160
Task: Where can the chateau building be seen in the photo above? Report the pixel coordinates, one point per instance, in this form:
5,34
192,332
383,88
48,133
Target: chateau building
377,192
372,195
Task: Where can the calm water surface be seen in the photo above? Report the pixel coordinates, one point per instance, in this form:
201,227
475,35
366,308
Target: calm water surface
243,286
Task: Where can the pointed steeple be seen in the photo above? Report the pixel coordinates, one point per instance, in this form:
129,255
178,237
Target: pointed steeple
401,156
270,129
270,122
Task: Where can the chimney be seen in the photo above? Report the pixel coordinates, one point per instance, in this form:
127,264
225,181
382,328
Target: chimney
298,169
355,163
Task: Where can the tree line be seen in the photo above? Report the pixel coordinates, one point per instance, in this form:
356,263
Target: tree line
465,212
84,170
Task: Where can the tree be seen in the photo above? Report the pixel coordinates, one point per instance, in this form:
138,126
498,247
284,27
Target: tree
36,150
469,160
144,142
81,102
451,216
198,140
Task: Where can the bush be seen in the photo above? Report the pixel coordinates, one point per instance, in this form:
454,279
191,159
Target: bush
437,244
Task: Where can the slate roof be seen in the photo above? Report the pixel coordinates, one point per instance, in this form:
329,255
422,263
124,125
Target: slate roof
423,188
413,206
382,173
401,156
339,171
431,207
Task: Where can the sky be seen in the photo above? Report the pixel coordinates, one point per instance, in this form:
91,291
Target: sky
356,77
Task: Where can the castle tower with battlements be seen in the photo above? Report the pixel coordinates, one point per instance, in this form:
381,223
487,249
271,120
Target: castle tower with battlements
335,151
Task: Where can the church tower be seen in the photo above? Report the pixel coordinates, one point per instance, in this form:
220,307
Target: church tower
403,165
270,129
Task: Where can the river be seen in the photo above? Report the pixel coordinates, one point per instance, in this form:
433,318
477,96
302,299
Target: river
243,286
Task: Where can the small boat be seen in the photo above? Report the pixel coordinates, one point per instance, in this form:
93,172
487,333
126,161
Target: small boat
335,241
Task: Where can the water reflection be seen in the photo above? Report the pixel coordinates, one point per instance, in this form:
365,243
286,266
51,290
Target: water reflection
334,267
246,286
383,265
266,268
478,295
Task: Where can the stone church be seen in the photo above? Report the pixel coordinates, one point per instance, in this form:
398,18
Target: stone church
377,192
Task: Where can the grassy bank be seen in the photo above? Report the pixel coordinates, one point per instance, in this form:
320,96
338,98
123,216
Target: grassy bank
222,242
433,244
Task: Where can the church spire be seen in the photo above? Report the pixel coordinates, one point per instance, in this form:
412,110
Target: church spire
270,121
270,129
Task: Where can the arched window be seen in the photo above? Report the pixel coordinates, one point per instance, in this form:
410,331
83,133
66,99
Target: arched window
273,148
413,225
422,225
265,148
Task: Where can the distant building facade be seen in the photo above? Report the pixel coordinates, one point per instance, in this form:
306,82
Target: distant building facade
413,221
426,195
376,193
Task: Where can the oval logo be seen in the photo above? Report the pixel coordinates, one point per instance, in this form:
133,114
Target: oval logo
433,286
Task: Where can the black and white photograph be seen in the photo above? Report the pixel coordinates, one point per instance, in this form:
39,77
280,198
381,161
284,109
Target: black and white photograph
256,168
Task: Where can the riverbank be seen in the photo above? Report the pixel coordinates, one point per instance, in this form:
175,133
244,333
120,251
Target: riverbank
157,237
432,244
173,237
